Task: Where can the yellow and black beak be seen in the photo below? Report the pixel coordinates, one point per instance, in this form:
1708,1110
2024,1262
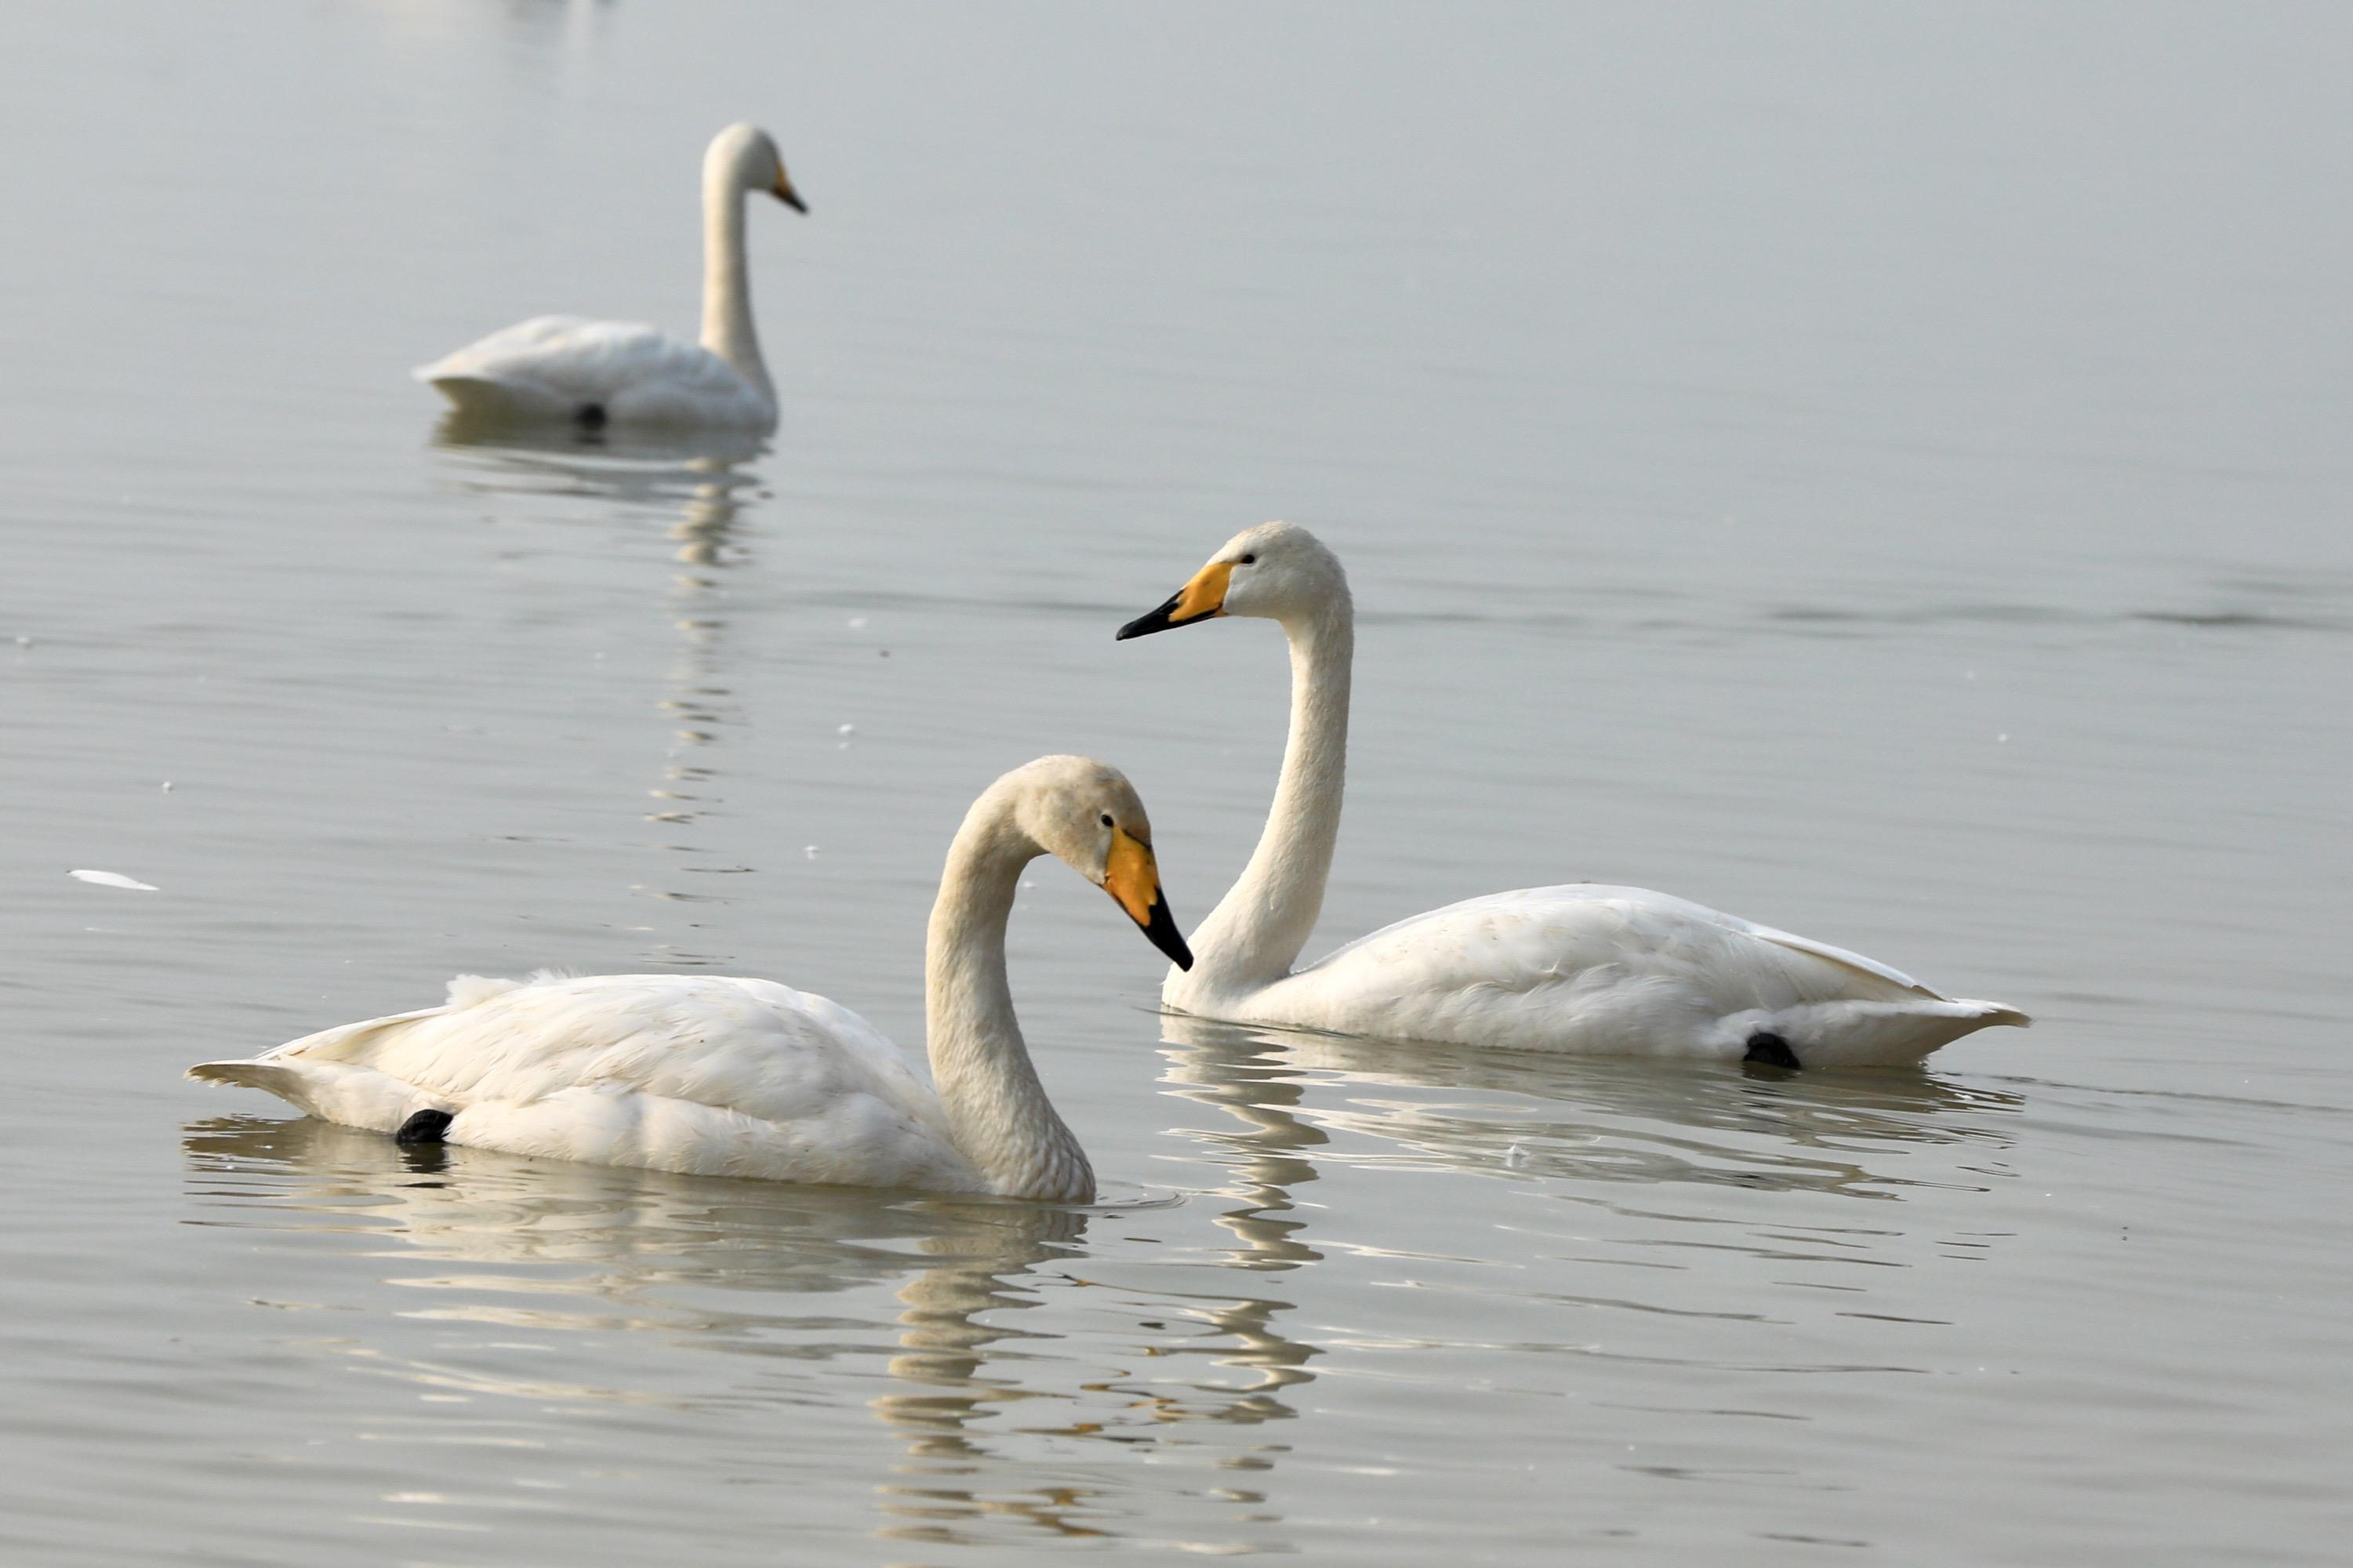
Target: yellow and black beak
1198,600
1131,875
785,193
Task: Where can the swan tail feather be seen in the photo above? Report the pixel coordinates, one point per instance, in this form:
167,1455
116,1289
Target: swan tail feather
489,396
281,1081
1874,1033
300,1087
1988,1014
329,1075
332,1091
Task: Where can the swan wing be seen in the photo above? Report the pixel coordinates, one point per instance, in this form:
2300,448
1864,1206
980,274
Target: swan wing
1666,908
561,366
704,1074
1590,967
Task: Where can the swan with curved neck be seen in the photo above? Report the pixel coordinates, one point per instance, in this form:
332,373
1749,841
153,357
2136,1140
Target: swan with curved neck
592,373
746,1078
1579,967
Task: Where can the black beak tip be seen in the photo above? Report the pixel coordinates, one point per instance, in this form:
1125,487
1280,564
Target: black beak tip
1163,934
1151,621
792,199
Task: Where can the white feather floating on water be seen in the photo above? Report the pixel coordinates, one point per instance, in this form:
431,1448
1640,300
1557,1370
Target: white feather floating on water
114,880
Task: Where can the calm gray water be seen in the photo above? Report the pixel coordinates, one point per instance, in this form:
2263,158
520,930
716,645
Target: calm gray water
1883,471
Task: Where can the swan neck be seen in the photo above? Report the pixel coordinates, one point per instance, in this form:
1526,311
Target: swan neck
1254,936
996,1110
726,281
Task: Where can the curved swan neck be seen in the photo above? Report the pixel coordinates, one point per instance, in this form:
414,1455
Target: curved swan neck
1255,933
726,278
996,1110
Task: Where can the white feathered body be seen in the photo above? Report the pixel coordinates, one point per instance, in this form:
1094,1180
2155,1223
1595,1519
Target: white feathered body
1577,968
1603,970
701,1075
562,367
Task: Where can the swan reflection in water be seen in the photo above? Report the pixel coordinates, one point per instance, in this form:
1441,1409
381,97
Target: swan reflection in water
983,1406
965,1368
459,431
1577,1120
618,1237
697,486
1030,1353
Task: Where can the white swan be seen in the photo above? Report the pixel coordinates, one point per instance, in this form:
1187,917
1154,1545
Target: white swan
746,1078
597,373
1574,968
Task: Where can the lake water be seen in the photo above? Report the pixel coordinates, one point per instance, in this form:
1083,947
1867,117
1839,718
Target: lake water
1879,470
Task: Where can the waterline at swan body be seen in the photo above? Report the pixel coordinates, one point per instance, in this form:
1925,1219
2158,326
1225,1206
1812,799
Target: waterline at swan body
570,369
722,1076
1578,967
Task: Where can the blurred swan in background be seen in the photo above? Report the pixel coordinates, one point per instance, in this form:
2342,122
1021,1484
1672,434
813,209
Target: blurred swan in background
596,373
1580,967
712,1076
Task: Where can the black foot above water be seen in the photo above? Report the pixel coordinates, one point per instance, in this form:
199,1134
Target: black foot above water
591,416
1769,1050
425,1127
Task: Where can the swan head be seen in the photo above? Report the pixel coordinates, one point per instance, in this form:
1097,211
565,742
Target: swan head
1086,814
1276,572
743,157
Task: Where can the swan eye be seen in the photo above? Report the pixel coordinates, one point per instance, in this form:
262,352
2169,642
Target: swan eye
1107,819
1250,559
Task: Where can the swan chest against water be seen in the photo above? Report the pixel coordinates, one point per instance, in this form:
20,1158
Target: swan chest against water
596,372
1578,967
718,1077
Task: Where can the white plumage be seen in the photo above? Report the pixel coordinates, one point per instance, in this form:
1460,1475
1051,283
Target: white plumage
1588,967
570,368
746,1078
1579,967
707,1075
554,368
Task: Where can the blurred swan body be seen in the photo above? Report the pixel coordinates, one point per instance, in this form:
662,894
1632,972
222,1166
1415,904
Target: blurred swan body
569,368
1580,967
746,1078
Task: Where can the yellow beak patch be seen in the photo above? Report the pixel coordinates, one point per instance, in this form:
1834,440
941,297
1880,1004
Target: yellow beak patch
1131,875
1205,594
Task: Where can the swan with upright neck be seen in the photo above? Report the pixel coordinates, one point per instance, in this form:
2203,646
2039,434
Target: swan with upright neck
1575,968
720,1077
570,369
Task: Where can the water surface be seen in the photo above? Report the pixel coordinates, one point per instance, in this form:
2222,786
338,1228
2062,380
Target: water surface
1882,473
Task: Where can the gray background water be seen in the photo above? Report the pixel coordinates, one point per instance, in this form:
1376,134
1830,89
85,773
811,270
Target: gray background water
1880,470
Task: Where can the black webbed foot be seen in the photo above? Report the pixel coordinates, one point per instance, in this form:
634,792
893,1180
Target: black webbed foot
1768,1050
424,1127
